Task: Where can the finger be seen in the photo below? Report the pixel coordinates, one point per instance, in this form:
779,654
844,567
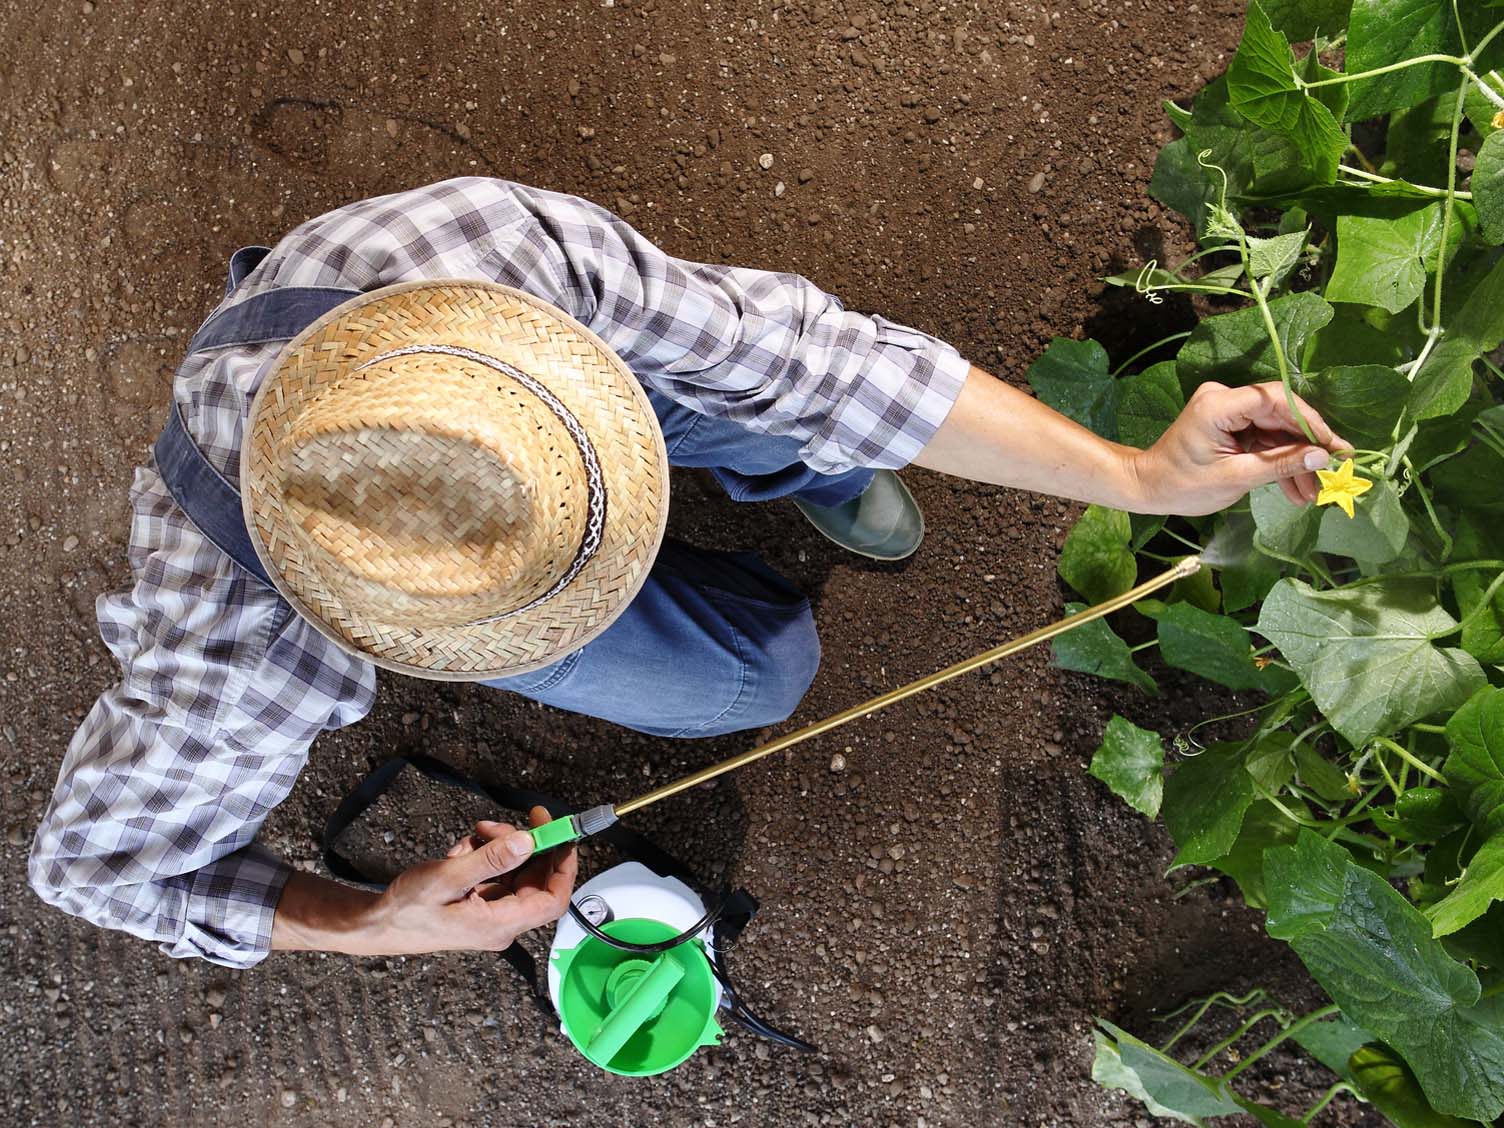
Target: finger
465,845
1265,406
1292,462
500,854
1291,491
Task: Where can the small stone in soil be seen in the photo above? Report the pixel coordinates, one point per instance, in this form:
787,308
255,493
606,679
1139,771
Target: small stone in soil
838,763
765,161
1037,182
289,1098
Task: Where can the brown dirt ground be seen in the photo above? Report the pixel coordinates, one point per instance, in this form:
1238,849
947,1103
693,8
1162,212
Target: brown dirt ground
970,168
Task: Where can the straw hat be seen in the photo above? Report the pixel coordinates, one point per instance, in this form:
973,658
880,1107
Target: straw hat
454,480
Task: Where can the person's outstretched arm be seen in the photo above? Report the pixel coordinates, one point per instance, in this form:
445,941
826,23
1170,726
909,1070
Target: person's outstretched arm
1225,442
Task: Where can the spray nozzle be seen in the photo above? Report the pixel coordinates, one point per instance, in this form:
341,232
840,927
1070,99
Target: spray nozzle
572,828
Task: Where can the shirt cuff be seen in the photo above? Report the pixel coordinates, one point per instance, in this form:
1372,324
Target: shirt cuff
909,386
231,905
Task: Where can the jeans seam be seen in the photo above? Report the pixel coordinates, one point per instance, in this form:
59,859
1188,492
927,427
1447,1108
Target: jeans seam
557,676
742,664
700,417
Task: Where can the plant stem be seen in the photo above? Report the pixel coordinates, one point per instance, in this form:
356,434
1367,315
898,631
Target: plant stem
1219,998
1210,1055
1486,40
1488,91
1412,759
1440,730
1424,189
1288,1032
1327,1097
1143,646
1484,604
1425,497
1145,351
1260,296
1392,67
1434,333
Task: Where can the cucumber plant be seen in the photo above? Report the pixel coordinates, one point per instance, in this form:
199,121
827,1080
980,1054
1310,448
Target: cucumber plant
1348,202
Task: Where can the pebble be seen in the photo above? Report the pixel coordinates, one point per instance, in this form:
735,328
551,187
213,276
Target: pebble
668,60
838,763
978,184
874,1033
964,881
70,542
295,56
779,189
215,997
765,161
1037,182
289,1098
391,127
806,175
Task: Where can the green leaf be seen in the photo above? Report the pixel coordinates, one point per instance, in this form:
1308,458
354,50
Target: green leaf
1204,803
1332,1042
1481,885
1483,632
1287,529
1471,482
1488,187
1375,534
1380,261
1263,86
1245,572
1234,348
1095,559
1417,144
1274,258
1149,403
1421,814
1382,32
1475,767
1373,953
1264,825
1320,774
1131,761
1270,763
1302,19
1094,648
1166,1087
1444,383
1353,339
1386,1082
1362,403
1365,655
1214,646
1072,377
1304,882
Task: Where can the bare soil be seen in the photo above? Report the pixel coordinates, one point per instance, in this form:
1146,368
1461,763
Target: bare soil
944,916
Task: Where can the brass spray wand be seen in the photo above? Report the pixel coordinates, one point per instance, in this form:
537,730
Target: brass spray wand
571,828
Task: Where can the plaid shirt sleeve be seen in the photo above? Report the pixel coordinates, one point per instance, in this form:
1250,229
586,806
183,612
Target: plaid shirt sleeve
770,350
169,777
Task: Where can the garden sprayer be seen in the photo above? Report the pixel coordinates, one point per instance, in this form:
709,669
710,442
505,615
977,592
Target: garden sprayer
634,971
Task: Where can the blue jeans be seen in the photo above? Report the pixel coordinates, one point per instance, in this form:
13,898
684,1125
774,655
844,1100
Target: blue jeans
714,642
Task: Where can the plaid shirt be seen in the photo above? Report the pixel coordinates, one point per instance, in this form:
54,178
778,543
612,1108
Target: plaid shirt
151,828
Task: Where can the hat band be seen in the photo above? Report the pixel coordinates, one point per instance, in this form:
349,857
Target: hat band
595,484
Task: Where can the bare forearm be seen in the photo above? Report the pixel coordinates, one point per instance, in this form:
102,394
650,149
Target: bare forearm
997,434
318,915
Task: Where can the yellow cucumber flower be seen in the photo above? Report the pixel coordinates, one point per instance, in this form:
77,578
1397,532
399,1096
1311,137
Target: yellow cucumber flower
1340,487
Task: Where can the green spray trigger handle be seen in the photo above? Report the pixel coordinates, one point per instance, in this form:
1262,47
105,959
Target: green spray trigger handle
640,1004
572,828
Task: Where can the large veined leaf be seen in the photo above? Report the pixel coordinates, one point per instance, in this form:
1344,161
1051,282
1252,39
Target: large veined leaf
1072,377
1362,403
1094,648
1481,884
1149,403
1264,825
1380,261
1263,86
1166,1087
1475,766
1381,32
1095,559
1488,187
1246,574
1373,953
1205,801
1375,534
1234,348
1289,530
1302,19
1131,761
1214,646
1366,655
1443,384
1387,1083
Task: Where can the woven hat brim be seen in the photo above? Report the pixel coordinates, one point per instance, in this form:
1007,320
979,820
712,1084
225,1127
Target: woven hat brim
532,335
